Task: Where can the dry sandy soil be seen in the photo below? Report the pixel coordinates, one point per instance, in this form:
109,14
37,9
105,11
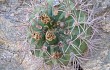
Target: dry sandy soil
15,50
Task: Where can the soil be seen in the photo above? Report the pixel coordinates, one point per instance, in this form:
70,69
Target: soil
15,51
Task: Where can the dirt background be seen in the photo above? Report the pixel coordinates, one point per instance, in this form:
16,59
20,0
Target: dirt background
15,50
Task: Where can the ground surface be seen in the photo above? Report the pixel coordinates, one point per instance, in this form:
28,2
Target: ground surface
15,51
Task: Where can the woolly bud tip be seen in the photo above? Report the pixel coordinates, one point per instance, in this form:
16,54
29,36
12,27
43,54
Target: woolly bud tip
36,36
56,55
50,35
45,18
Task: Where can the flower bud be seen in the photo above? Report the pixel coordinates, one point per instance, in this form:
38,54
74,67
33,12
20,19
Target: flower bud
45,18
56,55
50,35
36,36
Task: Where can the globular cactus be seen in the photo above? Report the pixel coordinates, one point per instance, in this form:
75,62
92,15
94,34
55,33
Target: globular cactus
58,32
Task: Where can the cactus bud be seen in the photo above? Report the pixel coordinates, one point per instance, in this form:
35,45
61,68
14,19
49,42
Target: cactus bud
60,44
56,55
37,36
45,18
51,38
50,35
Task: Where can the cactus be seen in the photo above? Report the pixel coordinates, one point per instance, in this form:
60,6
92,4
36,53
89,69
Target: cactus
57,33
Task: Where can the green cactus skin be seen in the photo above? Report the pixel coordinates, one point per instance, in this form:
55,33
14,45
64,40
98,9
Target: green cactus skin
56,48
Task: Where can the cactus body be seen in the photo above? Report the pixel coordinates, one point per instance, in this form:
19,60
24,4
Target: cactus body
59,34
